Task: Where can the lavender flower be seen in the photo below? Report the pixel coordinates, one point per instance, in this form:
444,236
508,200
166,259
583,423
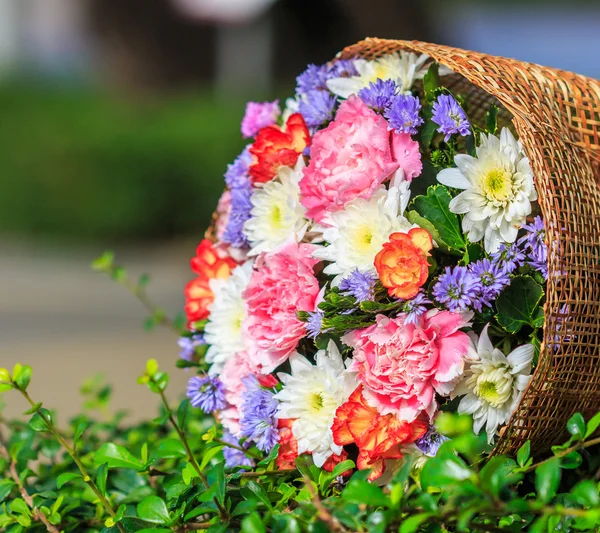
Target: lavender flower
534,243
509,256
358,284
314,324
450,117
314,78
188,345
415,308
258,116
493,278
457,288
379,94
342,68
258,420
238,181
207,393
317,108
403,114
237,172
430,443
233,456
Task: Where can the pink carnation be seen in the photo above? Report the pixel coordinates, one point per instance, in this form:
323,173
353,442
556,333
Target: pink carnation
235,370
406,152
350,158
259,116
282,284
223,212
401,365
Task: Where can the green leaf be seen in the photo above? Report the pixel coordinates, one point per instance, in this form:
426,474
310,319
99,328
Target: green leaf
171,449
428,129
517,303
188,473
104,262
258,492
33,409
23,377
444,469
40,420
435,208
431,81
6,486
153,509
547,478
116,456
18,505
209,453
413,523
491,120
182,413
271,457
64,478
253,524
216,479
414,218
497,473
586,493
576,425
81,429
524,453
101,477
571,461
131,525
360,491
592,425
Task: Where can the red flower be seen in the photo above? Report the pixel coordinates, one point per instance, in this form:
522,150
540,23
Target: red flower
378,437
276,147
288,445
208,264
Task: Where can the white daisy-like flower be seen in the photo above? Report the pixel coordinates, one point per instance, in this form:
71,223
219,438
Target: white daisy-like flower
493,383
223,331
291,106
402,67
311,394
357,233
498,190
276,211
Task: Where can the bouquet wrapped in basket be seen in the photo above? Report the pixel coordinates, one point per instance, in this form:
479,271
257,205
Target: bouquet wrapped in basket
414,231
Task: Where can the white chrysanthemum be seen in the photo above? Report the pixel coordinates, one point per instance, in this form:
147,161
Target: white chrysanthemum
276,213
492,383
223,330
402,67
498,190
357,233
311,395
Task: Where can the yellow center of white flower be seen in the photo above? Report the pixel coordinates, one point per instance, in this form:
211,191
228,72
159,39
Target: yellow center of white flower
497,185
363,238
494,386
316,401
276,217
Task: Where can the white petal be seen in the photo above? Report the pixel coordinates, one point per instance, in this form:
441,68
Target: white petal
485,346
344,87
460,204
492,240
468,165
520,359
452,177
469,404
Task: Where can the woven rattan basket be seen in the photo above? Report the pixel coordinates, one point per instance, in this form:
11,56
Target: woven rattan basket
557,117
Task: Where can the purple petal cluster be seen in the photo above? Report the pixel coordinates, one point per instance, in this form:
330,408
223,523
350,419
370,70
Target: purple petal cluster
403,114
258,419
207,393
430,443
492,277
259,116
534,245
233,456
457,288
189,344
510,257
379,94
450,117
317,108
415,308
315,77
360,285
240,187
314,324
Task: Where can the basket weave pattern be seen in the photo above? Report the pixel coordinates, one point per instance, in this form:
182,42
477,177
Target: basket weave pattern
557,117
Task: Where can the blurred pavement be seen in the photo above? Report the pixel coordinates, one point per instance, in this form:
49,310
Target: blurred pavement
70,323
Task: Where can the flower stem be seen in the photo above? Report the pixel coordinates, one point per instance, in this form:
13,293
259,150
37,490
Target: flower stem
73,454
579,446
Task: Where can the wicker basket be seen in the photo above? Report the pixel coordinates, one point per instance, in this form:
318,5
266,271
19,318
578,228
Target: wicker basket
557,117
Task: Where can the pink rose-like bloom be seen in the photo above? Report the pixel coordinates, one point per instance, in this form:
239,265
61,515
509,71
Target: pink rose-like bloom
236,368
350,158
406,152
282,284
401,365
223,211
259,116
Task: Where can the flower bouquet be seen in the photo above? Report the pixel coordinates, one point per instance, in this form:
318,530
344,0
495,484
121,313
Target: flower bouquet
379,256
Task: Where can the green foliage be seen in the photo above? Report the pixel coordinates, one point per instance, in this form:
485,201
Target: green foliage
518,304
169,476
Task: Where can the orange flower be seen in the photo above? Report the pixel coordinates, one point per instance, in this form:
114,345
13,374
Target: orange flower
208,264
378,437
277,147
288,445
402,262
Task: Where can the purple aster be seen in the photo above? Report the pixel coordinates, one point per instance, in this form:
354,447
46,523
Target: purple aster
317,108
509,256
207,393
457,288
258,419
493,278
403,114
359,285
237,172
534,243
415,308
379,94
314,78
563,326
259,116
233,456
342,68
314,324
430,443
450,117
188,345
240,188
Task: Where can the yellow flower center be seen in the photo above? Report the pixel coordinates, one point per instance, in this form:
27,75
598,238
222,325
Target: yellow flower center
276,216
488,391
363,238
497,185
316,401
494,386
